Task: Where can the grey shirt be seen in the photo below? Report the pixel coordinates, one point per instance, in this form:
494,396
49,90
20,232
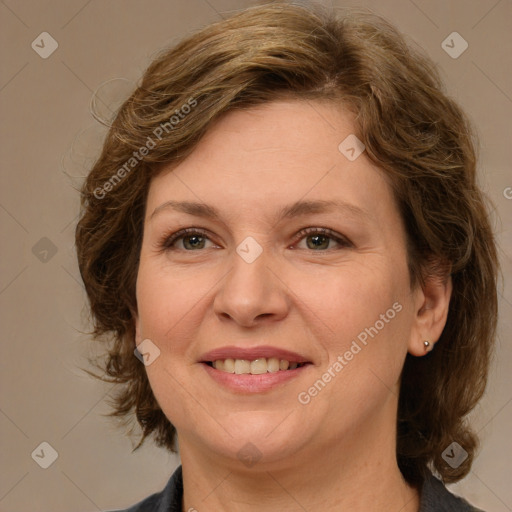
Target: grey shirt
434,498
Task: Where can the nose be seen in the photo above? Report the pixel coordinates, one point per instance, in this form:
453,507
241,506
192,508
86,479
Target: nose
252,293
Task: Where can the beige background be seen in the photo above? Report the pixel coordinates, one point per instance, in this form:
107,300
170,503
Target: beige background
48,137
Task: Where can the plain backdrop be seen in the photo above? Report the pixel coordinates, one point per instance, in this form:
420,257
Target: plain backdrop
49,138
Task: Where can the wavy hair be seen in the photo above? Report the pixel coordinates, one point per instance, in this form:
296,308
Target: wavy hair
411,129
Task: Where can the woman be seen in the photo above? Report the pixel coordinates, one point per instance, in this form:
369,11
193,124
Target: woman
284,228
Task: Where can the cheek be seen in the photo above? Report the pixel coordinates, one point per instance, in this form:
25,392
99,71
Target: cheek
167,304
348,300
363,316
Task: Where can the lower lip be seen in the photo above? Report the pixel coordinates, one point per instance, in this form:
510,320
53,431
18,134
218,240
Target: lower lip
248,383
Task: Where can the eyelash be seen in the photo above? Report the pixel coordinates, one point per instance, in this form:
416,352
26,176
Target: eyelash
168,240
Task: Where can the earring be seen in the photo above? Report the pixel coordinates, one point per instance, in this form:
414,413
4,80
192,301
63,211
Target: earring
427,345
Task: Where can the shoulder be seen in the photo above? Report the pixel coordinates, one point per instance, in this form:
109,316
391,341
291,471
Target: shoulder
167,500
435,497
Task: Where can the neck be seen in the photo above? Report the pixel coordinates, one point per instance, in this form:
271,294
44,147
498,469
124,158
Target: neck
359,474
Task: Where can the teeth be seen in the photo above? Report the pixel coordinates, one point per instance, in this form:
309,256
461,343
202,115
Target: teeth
256,367
259,366
229,365
242,366
272,364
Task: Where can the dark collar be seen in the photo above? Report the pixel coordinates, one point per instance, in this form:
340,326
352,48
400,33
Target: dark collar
168,500
434,498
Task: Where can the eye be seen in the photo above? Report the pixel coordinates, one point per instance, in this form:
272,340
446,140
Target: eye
319,239
191,238
194,239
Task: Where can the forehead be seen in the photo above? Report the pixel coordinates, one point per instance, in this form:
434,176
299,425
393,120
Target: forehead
267,157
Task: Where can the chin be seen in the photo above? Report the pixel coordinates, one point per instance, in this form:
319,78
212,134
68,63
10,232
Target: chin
255,438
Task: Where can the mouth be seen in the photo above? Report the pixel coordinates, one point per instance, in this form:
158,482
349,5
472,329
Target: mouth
253,370
258,366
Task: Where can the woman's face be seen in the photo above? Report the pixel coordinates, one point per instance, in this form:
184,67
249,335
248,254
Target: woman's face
295,254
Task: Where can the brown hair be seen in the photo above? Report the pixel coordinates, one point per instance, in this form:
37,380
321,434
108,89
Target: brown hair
412,130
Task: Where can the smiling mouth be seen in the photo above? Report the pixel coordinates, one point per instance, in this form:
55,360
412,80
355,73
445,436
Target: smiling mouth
258,366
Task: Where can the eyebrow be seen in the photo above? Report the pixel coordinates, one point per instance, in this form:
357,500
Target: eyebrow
294,210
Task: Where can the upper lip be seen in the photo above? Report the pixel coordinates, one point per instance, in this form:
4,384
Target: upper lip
262,351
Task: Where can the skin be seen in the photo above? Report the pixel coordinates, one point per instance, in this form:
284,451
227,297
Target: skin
195,298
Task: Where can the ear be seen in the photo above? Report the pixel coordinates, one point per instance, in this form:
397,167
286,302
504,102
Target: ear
432,301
